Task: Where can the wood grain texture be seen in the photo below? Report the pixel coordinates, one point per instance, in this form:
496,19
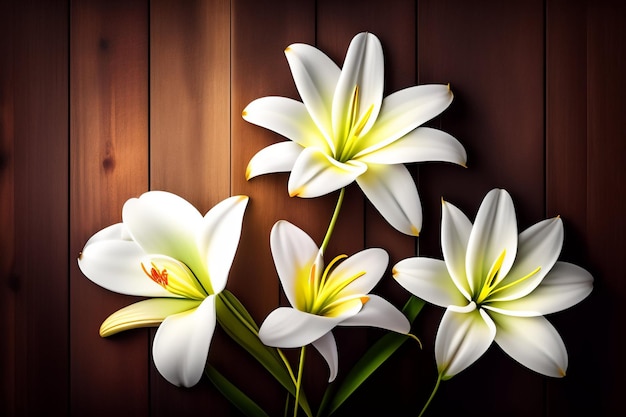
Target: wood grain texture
127,96
7,211
567,188
108,165
586,139
190,100
37,125
259,68
492,55
367,227
189,139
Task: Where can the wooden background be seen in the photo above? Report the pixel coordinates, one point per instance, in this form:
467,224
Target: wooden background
101,100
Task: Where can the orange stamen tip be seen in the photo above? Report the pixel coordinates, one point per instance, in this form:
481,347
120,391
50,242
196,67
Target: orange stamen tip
365,299
156,276
312,276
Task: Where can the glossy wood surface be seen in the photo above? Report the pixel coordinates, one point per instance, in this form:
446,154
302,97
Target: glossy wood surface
103,100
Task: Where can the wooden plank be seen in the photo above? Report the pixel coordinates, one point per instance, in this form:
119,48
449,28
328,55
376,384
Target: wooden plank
189,140
393,22
259,68
189,100
39,164
606,182
492,55
108,165
587,141
7,212
567,188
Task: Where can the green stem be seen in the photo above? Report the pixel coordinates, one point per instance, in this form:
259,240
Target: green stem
333,220
255,332
282,356
241,318
299,382
432,395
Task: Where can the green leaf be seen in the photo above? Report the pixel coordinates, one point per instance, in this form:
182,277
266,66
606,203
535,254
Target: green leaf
240,326
234,394
370,361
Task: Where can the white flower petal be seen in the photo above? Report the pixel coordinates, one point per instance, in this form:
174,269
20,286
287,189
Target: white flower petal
164,223
533,342
287,327
278,157
378,312
455,232
372,262
315,173
287,117
146,313
327,347
494,231
294,253
316,76
565,285
420,145
464,335
363,68
392,191
115,264
181,344
539,247
402,112
429,280
218,238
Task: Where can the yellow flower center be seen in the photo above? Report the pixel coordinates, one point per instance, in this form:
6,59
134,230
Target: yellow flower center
322,294
346,147
175,277
491,284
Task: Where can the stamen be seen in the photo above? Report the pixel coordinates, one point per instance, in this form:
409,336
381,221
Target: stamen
363,121
353,111
492,278
340,306
156,276
354,107
524,278
309,298
329,267
325,297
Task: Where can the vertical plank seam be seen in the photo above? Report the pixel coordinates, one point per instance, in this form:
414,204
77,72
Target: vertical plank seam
69,206
544,390
416,240
149,179
587,116
230,97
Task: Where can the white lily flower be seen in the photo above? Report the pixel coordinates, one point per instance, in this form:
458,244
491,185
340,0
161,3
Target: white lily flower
167,250
344,131
497,286
325,297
